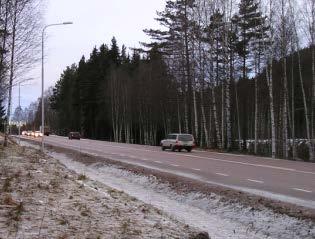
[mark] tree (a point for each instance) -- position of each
(252, 31)
(22, 22)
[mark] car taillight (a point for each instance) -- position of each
(176, 142)
(194, 143)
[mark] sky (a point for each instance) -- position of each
(94, 22)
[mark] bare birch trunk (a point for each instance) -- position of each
(186, 116)
(216, 122)
(195, 115)
(204, 122)
(313, 94)
(312, 33)
(256, 115)
(223, 116)
(11, 74)
(4, 39)
(229, 65)
(238, 119)
(285, 81)
(293, 108)
(270, 88)
(179, 117)
(272, 113)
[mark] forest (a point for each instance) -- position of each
(238, 75)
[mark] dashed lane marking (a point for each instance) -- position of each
(174, 165)
(255, 181)
(219, 160)
(222, 174)
(196, 169)
(210, 158)
(302, 190)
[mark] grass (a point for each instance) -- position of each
(7, 184)
(16, 212)
(82, 177)
(125, 225)
(8, 200)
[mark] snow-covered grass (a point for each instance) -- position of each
(221, 218)
(40, 198)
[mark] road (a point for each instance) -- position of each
(284, 180)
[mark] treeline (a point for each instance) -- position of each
(115, 96)
(20, 28)
(232, 73)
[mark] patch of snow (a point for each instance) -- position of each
(219, 219)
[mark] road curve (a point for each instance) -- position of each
(284, 180)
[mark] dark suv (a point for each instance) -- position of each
(74, 135)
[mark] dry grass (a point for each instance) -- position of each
(46, 200)
(82, 177)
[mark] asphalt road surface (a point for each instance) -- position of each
(284, 180)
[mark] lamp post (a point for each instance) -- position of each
(43, 106)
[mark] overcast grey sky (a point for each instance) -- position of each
(95, 22)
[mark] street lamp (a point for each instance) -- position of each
(43, 114)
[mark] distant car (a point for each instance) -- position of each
(74, 135)
(24, 133)
(178, 142)
(29, 133)
(38, 134)
(45, 131)
(33, 133)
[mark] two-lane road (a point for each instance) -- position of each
(288, 181)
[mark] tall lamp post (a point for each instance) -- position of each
(43, 105)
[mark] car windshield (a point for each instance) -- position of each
(171, 136)
(185, 137)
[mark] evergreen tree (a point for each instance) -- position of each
(251, 27)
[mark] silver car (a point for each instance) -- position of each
(178, 142)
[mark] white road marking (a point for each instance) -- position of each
(158, 162)
(143, 159)
(302, 190)
(196, 169)
(222, 174)
(217, 159)
(255, 181)
(174, 165)
(207, 158)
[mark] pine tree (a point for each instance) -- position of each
(252, 32)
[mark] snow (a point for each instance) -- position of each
(209, 213)
(40, 198)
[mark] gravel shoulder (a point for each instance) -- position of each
(41, 198)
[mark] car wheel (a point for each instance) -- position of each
(163, 148)
(179, 150)
(173, 148)
(189, 150)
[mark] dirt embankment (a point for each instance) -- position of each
(40, 198)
